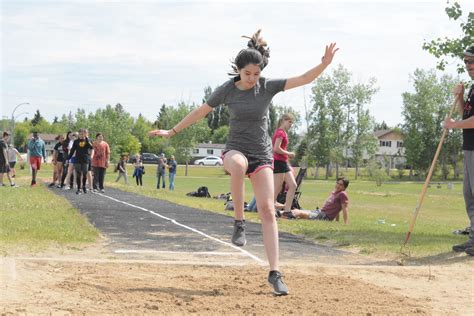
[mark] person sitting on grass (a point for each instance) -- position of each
(337, 201)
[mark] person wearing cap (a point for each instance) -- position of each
(36, 151)
(466, 108)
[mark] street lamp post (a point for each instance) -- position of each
(13, 122)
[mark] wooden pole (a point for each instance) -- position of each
(428, 178)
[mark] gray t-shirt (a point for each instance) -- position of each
(248, 126)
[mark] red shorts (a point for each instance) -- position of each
(35, 163)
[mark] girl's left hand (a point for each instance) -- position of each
(329, 54)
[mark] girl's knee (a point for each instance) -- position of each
(267, 213)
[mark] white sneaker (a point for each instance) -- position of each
(67, 187)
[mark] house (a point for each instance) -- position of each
(390, 147)
(207, 149)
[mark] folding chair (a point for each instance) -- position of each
(281, 198)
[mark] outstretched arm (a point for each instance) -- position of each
(311, 74)
(194, 116)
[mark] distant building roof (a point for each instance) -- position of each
(45, 137)
(383, 132)
(210, 145)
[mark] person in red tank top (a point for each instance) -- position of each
(281, 168)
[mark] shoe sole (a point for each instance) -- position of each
(278, 293)
(239, 245)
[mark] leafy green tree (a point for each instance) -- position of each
(363, 141)
(219, 117)
(424, 111)
(220, 135)
(115, 124)
(453, 47)
(381, 126)
(163, 119)
(376, 172)
(140, 129)
(37, 119)
(331, 128)
(301, 151)
(185, 140)
(317, 138)
(22, 131)
(272, 119)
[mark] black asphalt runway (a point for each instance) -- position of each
(138, 226)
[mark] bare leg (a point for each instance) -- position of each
(89, 179)
(290, 194)
(262, 183)
(278, 179)
(236, 164)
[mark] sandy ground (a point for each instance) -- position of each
(94, 281)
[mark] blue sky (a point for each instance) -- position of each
(63, 55)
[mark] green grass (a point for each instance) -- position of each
(35, 218)
(379, 216)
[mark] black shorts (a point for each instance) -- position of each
(280, 166)
(4, 167)
(254, 164)
(89, 164)
(12, 164)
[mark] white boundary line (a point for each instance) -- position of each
(199, 253)
(260, 261)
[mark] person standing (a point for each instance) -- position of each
(248, 148)
(36, 151)
(67, 181)
(466, 109)
(90, 153)
(122, 169)
(80, 149)
(161, 171)
(12, 156)
(58, 160)
(4, 165)
(172, 171)
(138, 170)
(100, 162)
(281, 169)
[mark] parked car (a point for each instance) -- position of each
(150, 158)
(209, 161)
(146, 158)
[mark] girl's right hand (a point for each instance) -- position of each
(160, 133)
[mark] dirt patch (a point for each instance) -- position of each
(53, 287)
(92, 282)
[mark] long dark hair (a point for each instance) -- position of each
(257, 53)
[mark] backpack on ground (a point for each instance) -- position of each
(201, 192)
